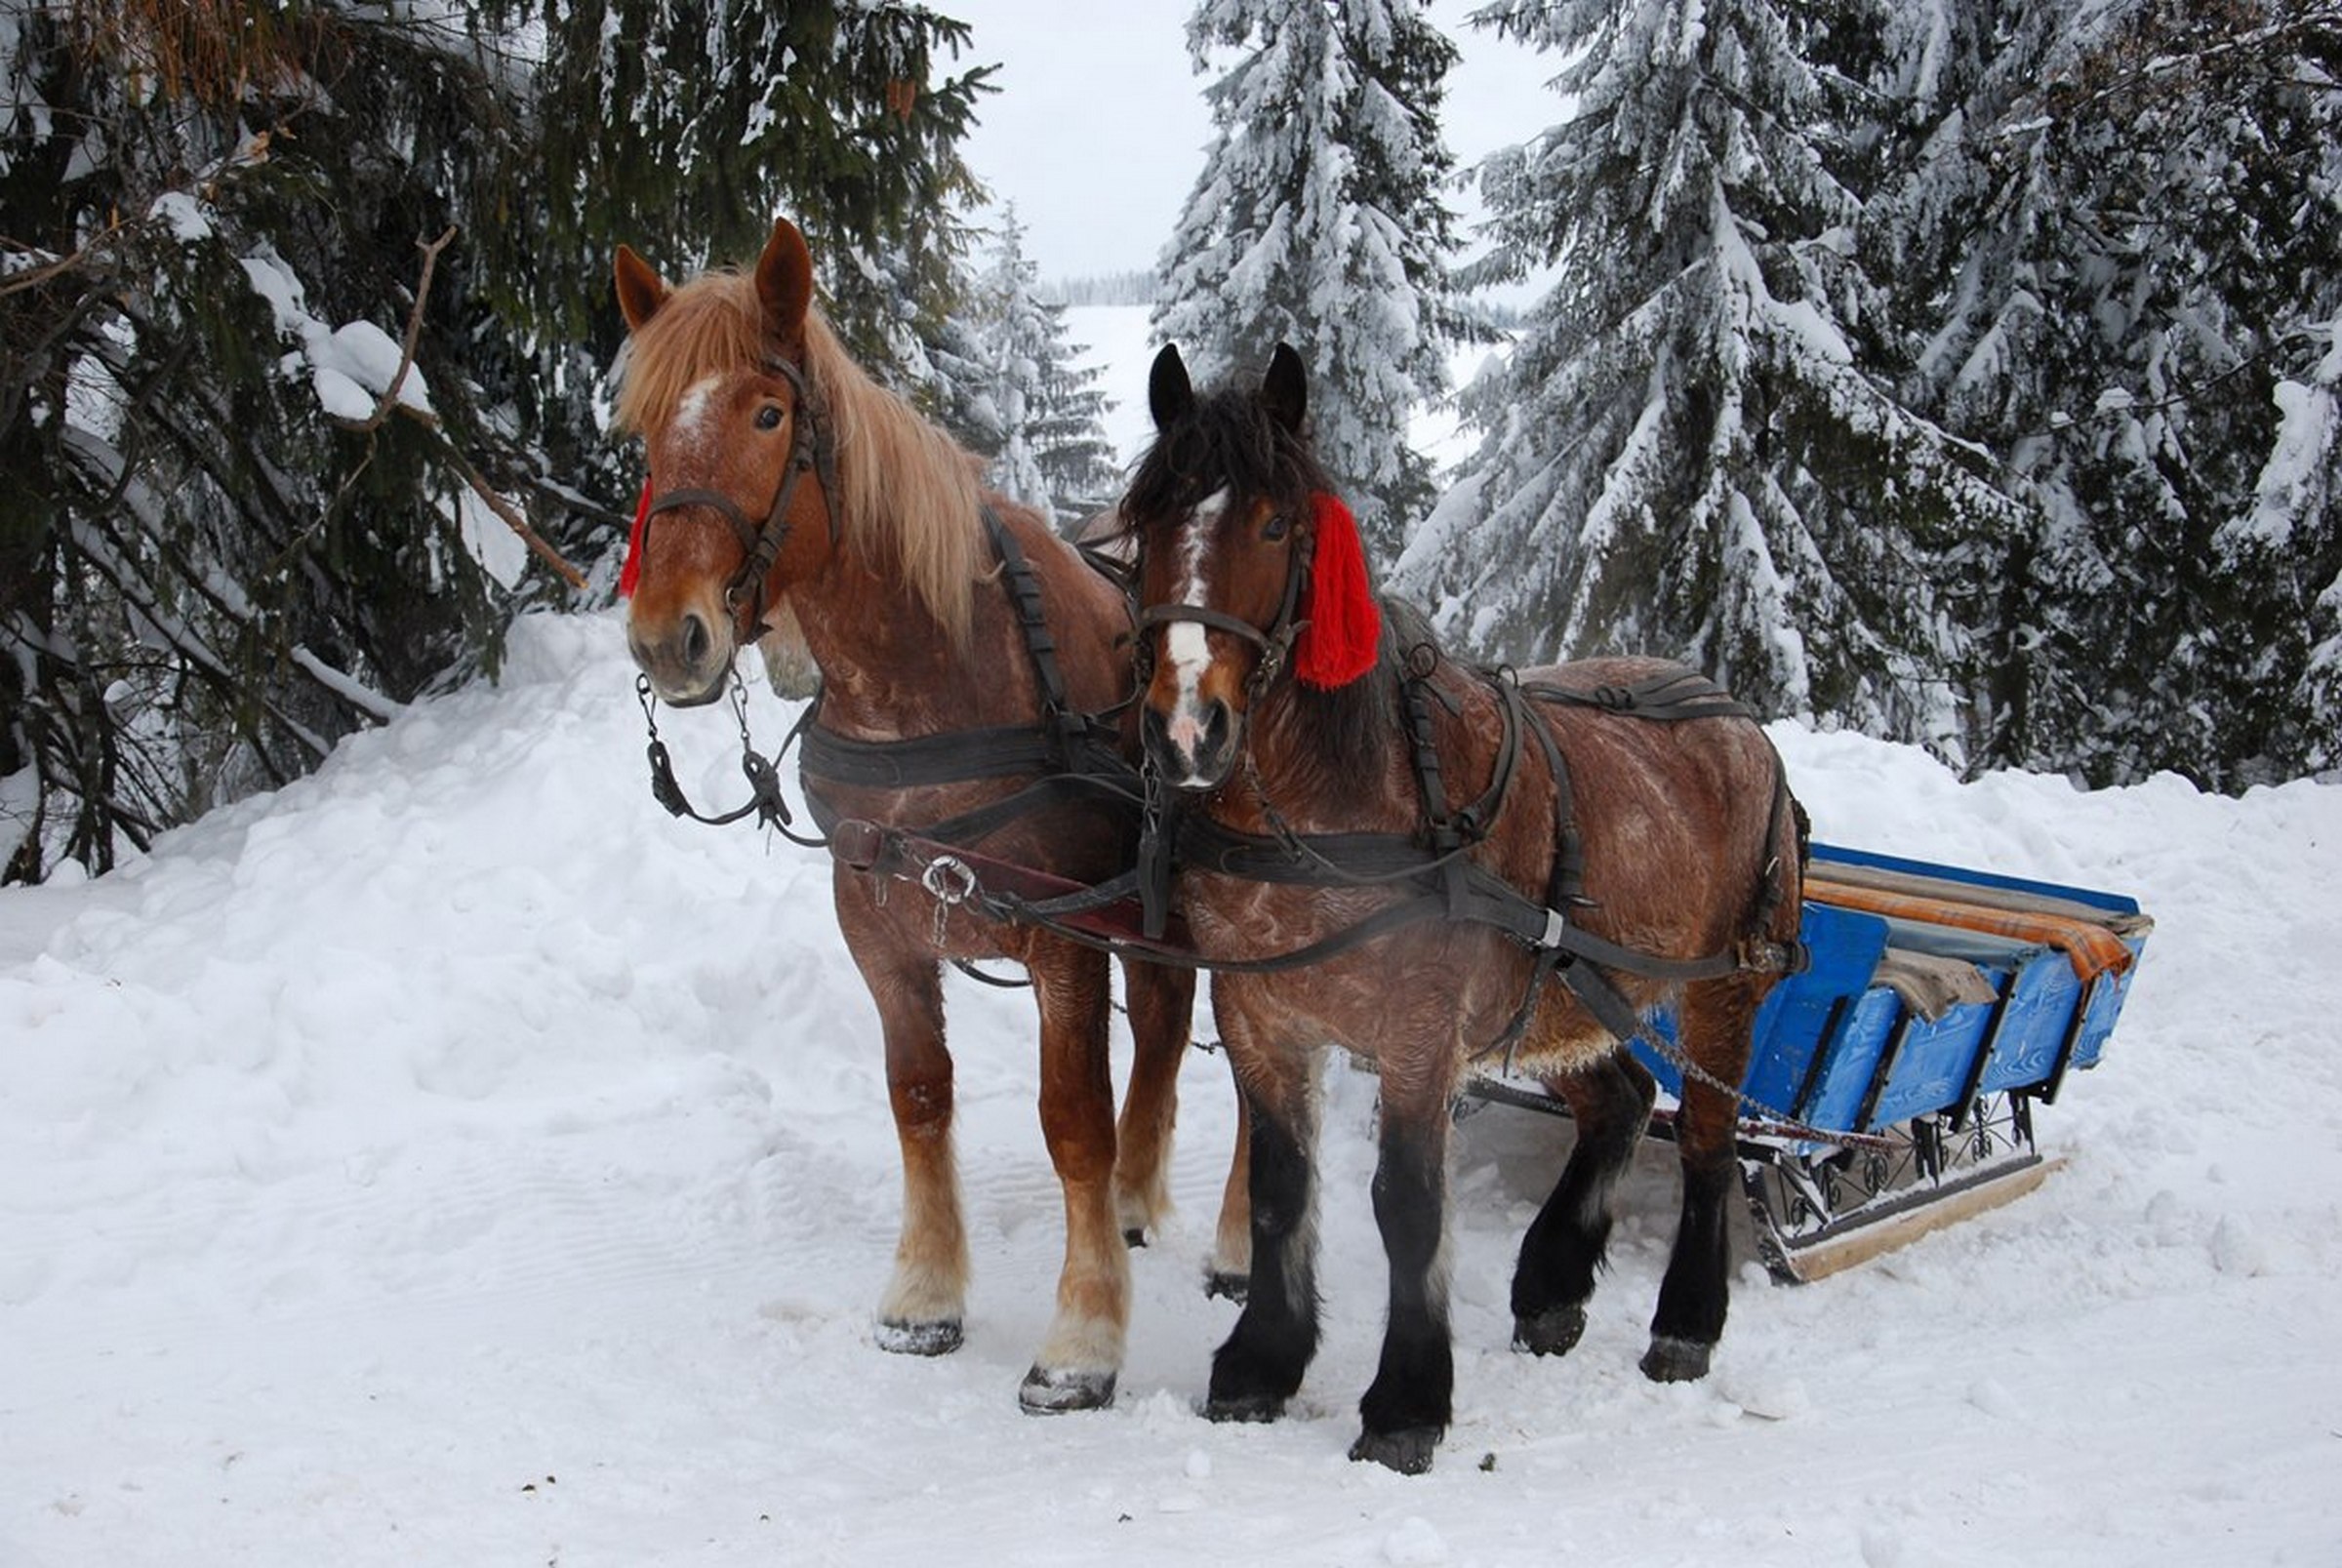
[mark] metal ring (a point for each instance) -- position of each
(948, 880)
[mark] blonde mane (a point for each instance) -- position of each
(908, 493)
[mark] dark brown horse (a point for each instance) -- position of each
(791, 485)
(1574, 828)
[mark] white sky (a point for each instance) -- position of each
(1099, 128)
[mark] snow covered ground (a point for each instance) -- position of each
(449, 1159)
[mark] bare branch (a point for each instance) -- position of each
(389, 401)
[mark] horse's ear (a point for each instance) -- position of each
(1285, 389)
(1170, 396)
(785, 281)
(640, 293)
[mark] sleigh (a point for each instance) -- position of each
(1892, 1084)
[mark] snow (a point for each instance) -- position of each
(350, 366)
(452, 1158)
(490, 539)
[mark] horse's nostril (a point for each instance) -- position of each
(1215, 731)
(695, 641)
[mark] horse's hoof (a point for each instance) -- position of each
(1221, 1282)
(1250, 1407)
(1555, 1331)
(1407, 1451)
(1674, 1360)
(1056, 1393)
(939, 1338)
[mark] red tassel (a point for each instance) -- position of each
(1344, 624)
(632, 573)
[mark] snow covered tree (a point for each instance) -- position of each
(1318, 221)
(225, 543)
(1051, 450)
(1683, 455)
(1964, 372)
(226, 228)
(2116, 252)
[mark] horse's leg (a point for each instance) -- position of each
(1082, 1354)
(1260, 1364)
(1162, 1000)
(1230, 1272)
(920, 1313)
(1694, 1293)
(1408, 1405)
(1610, 1104)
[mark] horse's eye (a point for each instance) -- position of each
(768, 418)
(1279, 524)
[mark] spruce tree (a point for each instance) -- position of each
(226, 546)
(1053, 453)
(1318, 221)
(2118, 268)
(1683, 455)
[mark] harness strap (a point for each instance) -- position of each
(1076, 754)
(954, 756)
(1668, 698)
(974, 825)
(1086, 744)
(1163, 615)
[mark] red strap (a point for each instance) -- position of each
(632, 573)
(1344, 624)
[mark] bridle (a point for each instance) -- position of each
(812, 449)
(1274, 641)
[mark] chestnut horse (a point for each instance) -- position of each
(874, 539)
(1665, 846)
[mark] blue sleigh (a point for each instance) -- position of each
(1891, 1086)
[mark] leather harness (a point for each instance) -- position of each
(1074, 756)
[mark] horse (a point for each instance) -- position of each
(1629, 840)
(968, 660)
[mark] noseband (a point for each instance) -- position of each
(811, 449)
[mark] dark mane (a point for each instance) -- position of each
(1230, 440)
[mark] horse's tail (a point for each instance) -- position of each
(1780, 893)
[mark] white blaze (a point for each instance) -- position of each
(693, 411)
(1184, 640)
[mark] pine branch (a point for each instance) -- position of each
(389, 403)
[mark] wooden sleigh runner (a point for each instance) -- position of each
(1892, 1084)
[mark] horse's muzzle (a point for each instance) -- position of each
(1190, 748)
(686, 662)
